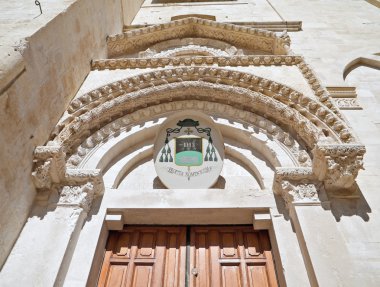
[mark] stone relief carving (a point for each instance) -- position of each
(347, 104)
(77, 196)
(338, 165)
(78, 187)
(299, 192)
(344, 97)
(49, 166)
(76, 130)
(296, 185)
(239, 36)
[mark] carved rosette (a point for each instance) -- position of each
(338, 165)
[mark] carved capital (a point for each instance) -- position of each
(296, 185)
(82, 176)
(338, 165)
(299, 192)
(77, 196)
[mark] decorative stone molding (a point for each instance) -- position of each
(344, 97)
(77, 130)
(315, 84)
(239, 36)
(290, 26)
(338, 165)
(81, 177)
(220, 110)
(347, 103)
(264, 60)
(161, 62)
(185, 42)
(307, 116)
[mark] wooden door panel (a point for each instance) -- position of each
(142, 275)
(231, 276)
(117, 275)
(145, 256)
(231, 256)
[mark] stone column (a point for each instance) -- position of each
(43, 251)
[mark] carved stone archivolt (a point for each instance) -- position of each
(239, 36)
(311, 118)
(199, 46)
(219, 110)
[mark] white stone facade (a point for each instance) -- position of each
(83, 97)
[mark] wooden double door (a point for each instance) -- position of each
(196, 256)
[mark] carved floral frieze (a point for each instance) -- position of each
(239, 36)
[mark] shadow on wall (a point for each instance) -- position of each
(349, 205)
(372, 61)
(339, 205)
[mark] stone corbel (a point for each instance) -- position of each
(338, 165)
(296, 186)
(49, 166)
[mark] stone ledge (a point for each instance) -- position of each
(11, 66)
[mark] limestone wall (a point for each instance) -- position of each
(37, 82)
